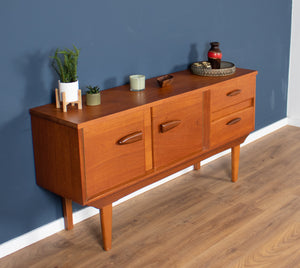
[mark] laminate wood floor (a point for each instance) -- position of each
(200, 219)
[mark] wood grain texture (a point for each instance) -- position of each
(148, 140)
(149, 135)
(108, 164)
(232, 109)
(235, 158)
(197, 166)
(57, 158)
(121, 98)
(81, 162)
(223, 95)
(131, 138)
(228, 127)
(106, 226)
(197, 220)
(68, 213)
(151, 177)
(177, 129)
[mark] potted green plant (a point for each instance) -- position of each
(65, 64)
(93, 96)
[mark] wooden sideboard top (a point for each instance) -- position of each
(120, 98)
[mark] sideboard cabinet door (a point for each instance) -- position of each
(114, 152)
(177, 129)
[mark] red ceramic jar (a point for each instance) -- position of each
(214, 55)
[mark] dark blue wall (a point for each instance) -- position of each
(118, 38)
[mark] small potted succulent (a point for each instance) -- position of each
(93, 96)
(65, 64)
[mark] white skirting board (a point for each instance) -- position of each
(294, 122)
(51, 228)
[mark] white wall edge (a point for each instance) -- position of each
(293, 108)
(51, 228)
(266, 130)
(294, 122)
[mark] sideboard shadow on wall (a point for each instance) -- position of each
(79, 156)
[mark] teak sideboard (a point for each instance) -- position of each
(99, 154)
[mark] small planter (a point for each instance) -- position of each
(71, 90)
(93, 99)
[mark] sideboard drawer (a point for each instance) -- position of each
(232, 92)
(232, 126)
(114, 152)
(177, 129)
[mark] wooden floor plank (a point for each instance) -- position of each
(200, 219)
(250, 236)
(277, 251)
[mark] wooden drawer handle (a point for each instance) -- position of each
(234, 92)
(234, 121)
(164, 127)
(131, 138)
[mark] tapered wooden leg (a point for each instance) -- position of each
(106, 226)
(197, 166)
(235, 158)
(68, 213)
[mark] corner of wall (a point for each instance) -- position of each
(293, 108)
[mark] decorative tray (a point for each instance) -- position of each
(227, 68)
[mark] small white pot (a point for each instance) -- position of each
(71, 90)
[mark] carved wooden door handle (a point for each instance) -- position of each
(131, 138)
(164, 127)
(234, 92)
(234, 121)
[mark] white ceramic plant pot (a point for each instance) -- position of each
(71, 90)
